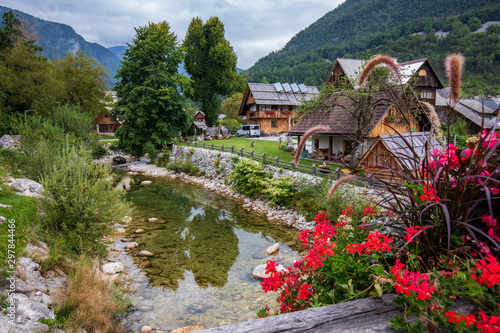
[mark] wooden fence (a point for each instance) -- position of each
(314, 170)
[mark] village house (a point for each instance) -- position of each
(273, 106)
(105, 123)
(338, 141)
(470, 110)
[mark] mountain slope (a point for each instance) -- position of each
(357, 26)
(58, 39)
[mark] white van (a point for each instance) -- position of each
(249, 130)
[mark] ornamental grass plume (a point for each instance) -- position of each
(338, 183)
(436, 124)
(378, 60)
(454, 64)
(302, 143)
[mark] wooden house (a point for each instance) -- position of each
(339, 138)
(392, 154)
(200, 117)
(470, 110)
(273, 106)
(105, 123)
(418, 73)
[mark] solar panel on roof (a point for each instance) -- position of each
(278, 86)
(287, 87)
(302, 88)
(295, 87)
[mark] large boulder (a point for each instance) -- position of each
(26, 187)
(112, 268)
(7, 142)
(273, 248)
(259, 272)
(119, 160)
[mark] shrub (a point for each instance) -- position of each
(80, 199)
(285, 147)
(150, 149)
(248, 177)
(281, 191)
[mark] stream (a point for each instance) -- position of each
(205, 247)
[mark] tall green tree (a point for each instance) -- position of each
(149, 89)
(211, 63)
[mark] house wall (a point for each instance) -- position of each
(105, 123)
(394, 127)
(338, 143)
(282, 124)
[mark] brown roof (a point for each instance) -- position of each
(339, 119)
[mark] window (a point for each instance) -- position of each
(422, 72)
(426, 94)
(274, 123)
(274, 107)
(106, 115)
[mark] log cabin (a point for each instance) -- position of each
(337, 114)
(105, 123)
(273, 106)
(418, 73)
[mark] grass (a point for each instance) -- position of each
(270, 148)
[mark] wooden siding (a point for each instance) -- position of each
(271, 114)
(384, 127)
(266, 125)
(104, 118)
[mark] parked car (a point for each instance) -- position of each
(249, 130)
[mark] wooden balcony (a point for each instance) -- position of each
(271, 114)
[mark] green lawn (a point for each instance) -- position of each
(270, 148)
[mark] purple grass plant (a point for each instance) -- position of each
(377, 61)
(307, 135)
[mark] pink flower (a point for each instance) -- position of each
(490, 139)
(489, 220)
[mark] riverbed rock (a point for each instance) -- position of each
(152, 219)
(189, 329)
(145, 253)
(146, 329)
(259, 272)
(273, 248)
(140, 231)
(112, 268)
(146, 183)
(145, 264)
(36, 252)
(126, 219)
(131, 245)
(119, 160)
(121, 230)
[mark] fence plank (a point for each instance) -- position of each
(314, 169)
(277, 161)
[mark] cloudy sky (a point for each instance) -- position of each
(253, 27)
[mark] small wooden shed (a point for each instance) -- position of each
(391, 154)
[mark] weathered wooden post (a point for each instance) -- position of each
(314, 169)
(222, 148)
(293, 166)
(241, 152)
(212, 146)
(263, 158)
(251, 154)
(370, 181)
(232, 149)
(338, 173)
(196, 144)
(203, 144)
(277, 161)
(188, 143)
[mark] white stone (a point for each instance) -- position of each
(121, 230)
(140, 231)
(273, 248)
(146, 183)
(152, 219)
(259, 272)
(131, 245)
(145, 253)
(36, 252)
(127, 219)
(112, 268)
(146, 329)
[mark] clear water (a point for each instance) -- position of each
(205, 247)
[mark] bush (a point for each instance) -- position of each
(80, 199)
(248, 177)
(181, 164)
(281, 191)
(150, 149)
(285, 147)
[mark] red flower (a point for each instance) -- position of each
(370, 211)
(430, 194)
(348, 211)
(452, 317)
(469, 319)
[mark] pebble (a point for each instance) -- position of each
(140, 231)
(146, 329)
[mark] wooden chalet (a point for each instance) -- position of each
(470, 110)
(419, 73)
(338, 140)
(273, 106)
(392, 154)
(200, 117)
(105, 123)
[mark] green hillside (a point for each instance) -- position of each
(362, 28)
(58, 39)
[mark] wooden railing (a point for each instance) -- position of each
(314, 170)
(271, 114)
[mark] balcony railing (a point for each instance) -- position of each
(271, 114)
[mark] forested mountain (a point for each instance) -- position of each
(403, 29)
(58, 39)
